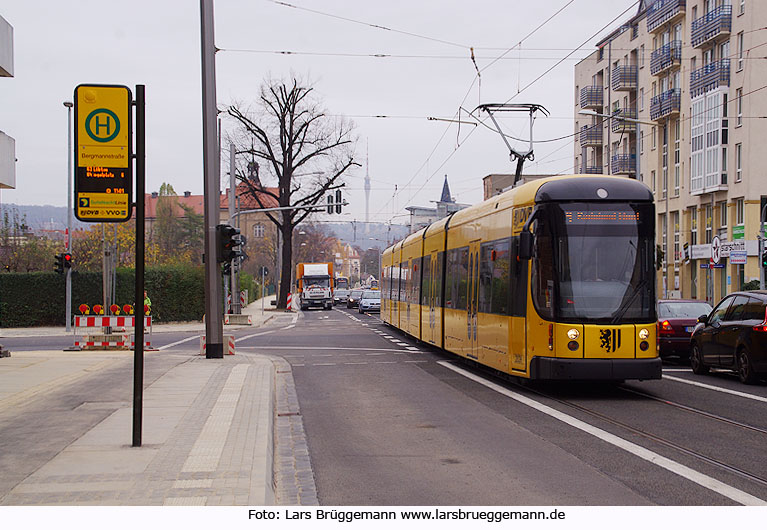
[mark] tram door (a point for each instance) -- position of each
(472, 304)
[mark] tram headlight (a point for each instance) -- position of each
(573, 334)
(643, 333)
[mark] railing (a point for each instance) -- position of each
(592, 170)
(714, 23)
(623, 164)
(620, 125)
(625, 77)
(665, 104)
(591, 135)
(665, 57)
(663, 11)
(592, 96)
(710, 77)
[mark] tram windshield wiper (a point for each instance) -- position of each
(627, 303)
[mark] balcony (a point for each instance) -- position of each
(662, 12)
(666, 105)
(710, 77)
(621, 126)
(623, 164)
(666, 57)
(625, 77)
(592, 97)
(713, 24)
(591, 136)
(592, 170)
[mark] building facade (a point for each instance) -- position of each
(673, 98)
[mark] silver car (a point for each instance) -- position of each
(370, 301)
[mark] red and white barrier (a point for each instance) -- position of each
(228, 342)
(83, 338)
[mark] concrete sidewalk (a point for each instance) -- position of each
(214, 431)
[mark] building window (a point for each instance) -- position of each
(654, 138)
(664, 163)
(723, 214)
(652, 179)
(738, 162)
(739, 106)
(740, 214)
(641, 142)
(675, 221)
(740, 51)
(641, 56)
(742, 8)
(709, 224)
(693, 225)
(641, 98)
(677, 157)
(258, 230)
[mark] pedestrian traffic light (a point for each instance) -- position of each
(227, 243)
(58, 265)
(227, 268)
(67, 259)
(764, 259)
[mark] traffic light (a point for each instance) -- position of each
(335, 204)
(330, 203)
(227, 243)
(67, 259)
(764, 259)
(338, 201)
(227, 268)
(58, 265)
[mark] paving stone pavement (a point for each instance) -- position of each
(214, 433)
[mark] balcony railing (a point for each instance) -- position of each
(666, 104)
(620, 125)
(623, 164)
(711, 25)
(710, 77)
(592, 97)
(667, 56)
(592, 170)
(664, 11)
(591, 135)
(625, 77)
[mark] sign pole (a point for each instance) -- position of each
(138, 346)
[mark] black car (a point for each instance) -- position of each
(354, 298)
(733, 336)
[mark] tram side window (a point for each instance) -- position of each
(415, 283)
(426, 282)
(543, 273)
(494, 277)
(457, 278)
(404, 281)
(518, 290)
(437, 276)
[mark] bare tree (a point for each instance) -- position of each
(306, 152)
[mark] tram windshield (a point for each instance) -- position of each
(594, 262)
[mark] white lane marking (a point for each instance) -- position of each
(290, 326)
(256, 335)
(178, 342)
(675, 467)
(716, 388)
(312, 348)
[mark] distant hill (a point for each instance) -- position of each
(367, 235)
(42, 217)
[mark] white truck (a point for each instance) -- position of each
(314, 282)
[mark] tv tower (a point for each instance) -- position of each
(367, 188)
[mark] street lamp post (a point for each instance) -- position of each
(68, 299)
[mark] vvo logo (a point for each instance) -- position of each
(102, 125)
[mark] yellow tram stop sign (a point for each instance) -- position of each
(103, 165)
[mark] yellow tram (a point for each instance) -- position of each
(554, 279)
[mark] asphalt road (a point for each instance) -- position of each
(390, 421)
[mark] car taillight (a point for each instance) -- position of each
(665, 327)
(763, 326)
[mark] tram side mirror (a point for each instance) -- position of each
(525, 245)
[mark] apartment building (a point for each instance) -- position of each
(677, 98)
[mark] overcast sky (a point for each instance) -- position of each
(58, 45)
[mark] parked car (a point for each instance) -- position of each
(676, 321)
(354, 298)
(370, 301)
(733, 336)
(340, 296)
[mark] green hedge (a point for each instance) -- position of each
(38, 298)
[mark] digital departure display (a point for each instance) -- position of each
(582, 217)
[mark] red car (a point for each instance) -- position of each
(676, 322)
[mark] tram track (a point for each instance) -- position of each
(681, 448)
